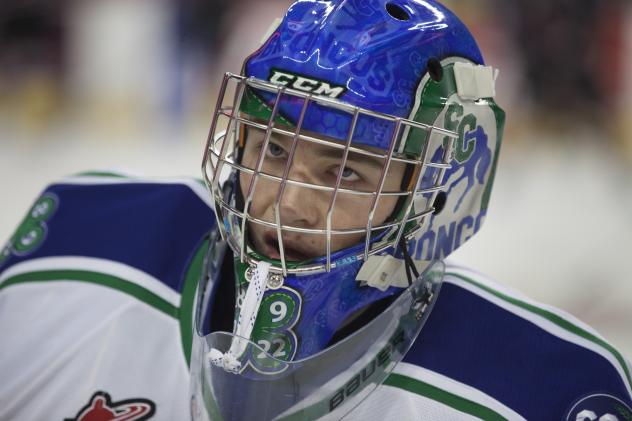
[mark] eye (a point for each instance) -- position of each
(274, 151)
(348, 174)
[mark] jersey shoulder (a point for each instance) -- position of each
(487, 344)
(129, 226)
(100, 274)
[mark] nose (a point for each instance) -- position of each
(300, 206)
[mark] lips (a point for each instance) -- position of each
(294, 250)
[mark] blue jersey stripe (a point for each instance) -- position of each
(153, 227)
(537, 374)
(561, 322)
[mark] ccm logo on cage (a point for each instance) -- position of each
(305, 84)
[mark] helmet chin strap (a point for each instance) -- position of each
(245, 321)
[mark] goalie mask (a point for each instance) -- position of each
(358, 147)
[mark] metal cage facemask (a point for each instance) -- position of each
(408, 143)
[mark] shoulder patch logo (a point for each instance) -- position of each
(305, 83)
(101, 408)
(32, 230)
(599, 407)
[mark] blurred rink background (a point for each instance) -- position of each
(130, 85)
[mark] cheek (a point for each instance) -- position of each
(244, 182)
(263, 198)
(351, 211)
(384, 209)
(354, 212)
(386, 205)
(244, 178)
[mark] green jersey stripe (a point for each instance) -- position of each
(184, 313)
(553, 318)
(110, 281)
(439, 395)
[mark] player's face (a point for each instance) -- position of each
(304, 207)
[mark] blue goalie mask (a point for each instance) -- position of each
(358, 146)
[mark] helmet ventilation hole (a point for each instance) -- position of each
(397, 12)
(435, 69)
(439, 203)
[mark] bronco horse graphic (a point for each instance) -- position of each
(475, 167)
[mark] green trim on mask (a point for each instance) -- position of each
(253, 105)
(433, 98)
(431, 104)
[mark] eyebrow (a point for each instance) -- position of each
(336, 153)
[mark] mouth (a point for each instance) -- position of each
(293, 251)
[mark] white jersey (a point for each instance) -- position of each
(96, 293)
